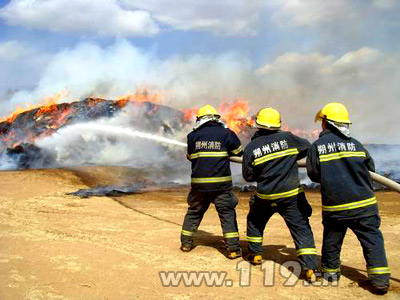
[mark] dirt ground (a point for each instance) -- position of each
(55, 246)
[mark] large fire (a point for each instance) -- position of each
(55, 114)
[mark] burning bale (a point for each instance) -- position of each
(20, 132)
(44, 121)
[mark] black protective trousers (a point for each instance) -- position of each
(295, 211)
(225, 203)
(367, 231)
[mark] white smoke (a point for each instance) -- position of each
(298, 85)
(7, 162)
(366, 81)
(89, 70)
(116, 142)
(102, 142)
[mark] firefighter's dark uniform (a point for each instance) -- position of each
(270, 160)
(209, 148)
(340, 164)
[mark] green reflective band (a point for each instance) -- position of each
(325, 270)
(307, 251)
(274, 155)
(255, 239)
(237, 150)
(339, 155)
(379, 270)
(280, 195)
(230, 235)
(352, 205)
(212, 179)
(209, 154)
(187, 233)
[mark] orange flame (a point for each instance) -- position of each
(44, 106)
(189, 114)
(234, 114)
(140, 96)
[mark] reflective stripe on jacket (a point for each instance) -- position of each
(270, 160)
(209, 148)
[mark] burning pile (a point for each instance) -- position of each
(43, 121)
(20, 132)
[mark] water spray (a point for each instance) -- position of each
(118, 130)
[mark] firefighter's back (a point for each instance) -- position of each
(273, 156)
(209, 148)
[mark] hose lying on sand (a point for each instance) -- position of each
(390, 184)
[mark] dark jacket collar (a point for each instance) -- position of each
(210, 124)
(263, 132)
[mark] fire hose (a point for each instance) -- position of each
(390, 184)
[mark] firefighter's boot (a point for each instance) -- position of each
(186, 248)
(310, 276)
(234, 254)
(255, 259)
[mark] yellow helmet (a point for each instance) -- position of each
(335, 112)
(207, 110)
(268, 118)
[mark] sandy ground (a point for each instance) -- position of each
(55, 246)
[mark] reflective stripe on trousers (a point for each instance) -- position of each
(306, 251)
(379, 270)
(230, 235)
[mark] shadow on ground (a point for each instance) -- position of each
(281, 254)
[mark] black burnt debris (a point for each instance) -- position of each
(114, 191)
(29, 156)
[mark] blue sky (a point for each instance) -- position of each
(286, 53)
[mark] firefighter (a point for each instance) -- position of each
(270, 160)
(340, 164)
(210, 145)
